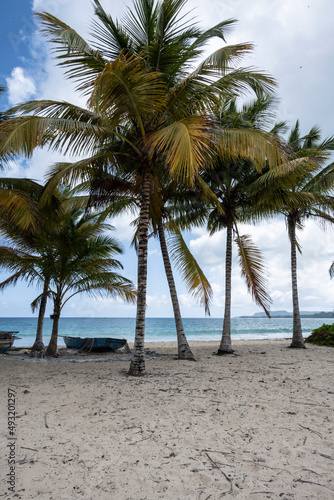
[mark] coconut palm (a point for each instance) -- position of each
(164, 210)
(305, 194)
(118, 194)
(25, 220)
(75, 258)
(232, 203)
(22, 218)
(147, 106)
(230, 181)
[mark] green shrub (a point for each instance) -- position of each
(324, 335)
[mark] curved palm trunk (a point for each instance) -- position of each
(297, 335)
(137, 365)
(184, 351)
(52, 347)
(38, 344)
(226, 343)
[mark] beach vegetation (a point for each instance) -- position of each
(66, 255)
(299, 194)
(324, 335)
(83, 262)
(24, 220)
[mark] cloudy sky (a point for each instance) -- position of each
(293, 42)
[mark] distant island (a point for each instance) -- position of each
(286, 314)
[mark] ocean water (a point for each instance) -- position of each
(160, 329)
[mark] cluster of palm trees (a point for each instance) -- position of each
(162, 137)
(56, 245)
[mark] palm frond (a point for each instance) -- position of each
(331, 270)
(279, 128)
(223, 60)
(37, 301)
(239, 81)
(104, 285)
(109, 36)
(191, 273)
(12, 280)
(187, 145)
(22, 135)
(72, 51)
(322, 182)
(262, 147)
(252, 270)
(126, 89)
(220, 30)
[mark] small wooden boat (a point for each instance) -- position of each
(100, 344)
(6, 340)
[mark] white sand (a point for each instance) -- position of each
(255, 425)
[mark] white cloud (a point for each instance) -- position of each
(20, 86)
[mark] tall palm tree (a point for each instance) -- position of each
(75, 258)
(299, 195)
(23, 219)
(230, 181)
(164, 210)
(117, 194)
(145, 92)
(232, 202)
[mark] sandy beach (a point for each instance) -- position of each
(254, 425)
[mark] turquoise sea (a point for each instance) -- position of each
(160, 329)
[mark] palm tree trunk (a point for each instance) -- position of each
(38, 344)
(226, 343)
(52, 347)
(184, 351)
(137, 365)
(297, 335)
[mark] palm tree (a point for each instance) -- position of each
(302, 194)
(164, 210)
(233, 203)
(118, 194)
(22, 219)
(147, 107)
(230, 181)
(74, 258)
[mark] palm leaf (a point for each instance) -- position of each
(331, 270)
(239, 81)
(262, 147)
(126, 89)
(223, 60)
(18, 209)
(72, 51)
(322, 182)
(12, 280)
(22, 135)
(109, 36)
(219, 30)
(187, 265)
(253, 272)
(187, 145)
(102, 285)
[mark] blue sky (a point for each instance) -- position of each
(294, 43)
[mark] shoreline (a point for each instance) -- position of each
(155, 349)
(255, 424)
(161, 330)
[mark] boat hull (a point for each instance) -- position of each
(5, 345)
(97, 344)
(6, 340)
